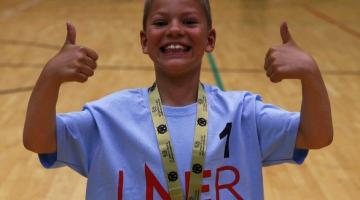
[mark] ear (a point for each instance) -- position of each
(211, 39)
(143, 41)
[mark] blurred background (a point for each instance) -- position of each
(32, 31)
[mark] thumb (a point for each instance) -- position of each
(285, 34)
(71, 34)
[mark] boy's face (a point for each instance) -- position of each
(177, 35)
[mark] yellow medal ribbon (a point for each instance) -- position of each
(166, 148)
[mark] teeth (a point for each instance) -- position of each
(175, 47)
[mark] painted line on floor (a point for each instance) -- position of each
(110, 67)
(333, 21)
(16, 90)
(215, 71)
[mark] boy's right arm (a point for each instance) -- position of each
(72, 63)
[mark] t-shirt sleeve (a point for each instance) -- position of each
(77, 136)
(277, 131)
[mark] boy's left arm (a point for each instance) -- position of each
(289, 61)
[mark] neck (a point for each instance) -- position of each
(178, 91)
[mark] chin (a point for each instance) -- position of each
(178, 68)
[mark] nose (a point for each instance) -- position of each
(175, 29)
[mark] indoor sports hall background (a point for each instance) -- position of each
(32, 31)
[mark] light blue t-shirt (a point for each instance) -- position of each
(112, 142)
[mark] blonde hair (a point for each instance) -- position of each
(204, 3)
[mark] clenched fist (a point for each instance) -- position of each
(72, 62)
(289, 61)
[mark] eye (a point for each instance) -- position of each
(190, 21)
(159, 23)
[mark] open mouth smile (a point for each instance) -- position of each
(174, 48)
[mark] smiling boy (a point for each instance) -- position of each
(175, 36)
(179, 138)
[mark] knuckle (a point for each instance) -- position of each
(81, 48)
(272, 56)
(268, 74)
(273, 48)
(74, 64)
(273, 79)
(275, 70)
(76, 48)
(268, 52)
(83, 78)
(279, 70)
(77, 65)
(81, 56)
(96, 55)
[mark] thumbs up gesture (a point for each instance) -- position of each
(288, 61)
(72, 62)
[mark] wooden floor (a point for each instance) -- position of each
(31, 31)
